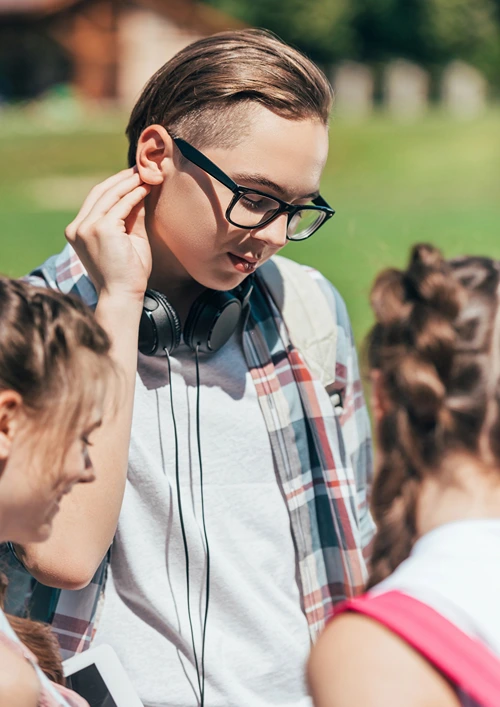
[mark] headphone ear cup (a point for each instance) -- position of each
(160, 327)
(212, 320)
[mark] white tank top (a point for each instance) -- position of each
(455, 569)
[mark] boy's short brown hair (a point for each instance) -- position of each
(203, 93)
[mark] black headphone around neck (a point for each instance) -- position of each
(211, 321)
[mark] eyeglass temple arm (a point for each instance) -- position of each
(319, 201)
(199, 159)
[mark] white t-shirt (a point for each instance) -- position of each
(455, 569)
(257, 638)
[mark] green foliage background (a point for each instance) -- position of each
(392, 185)
(431, 32)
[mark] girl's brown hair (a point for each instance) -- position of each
(55, 355)
(203, 93)
(38, 638)
(436, 343)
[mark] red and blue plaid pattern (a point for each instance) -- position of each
(322, 453)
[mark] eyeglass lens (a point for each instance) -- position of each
(253, 209)
(303, 223)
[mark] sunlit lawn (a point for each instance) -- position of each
(392, 185)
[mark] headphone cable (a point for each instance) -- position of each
(207, 548)
(199, 665)
(183, 528)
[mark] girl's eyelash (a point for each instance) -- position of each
(86, 442)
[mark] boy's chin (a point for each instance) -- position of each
(33, 535)
(222, 280)
(42, 533)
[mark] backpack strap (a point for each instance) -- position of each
(309, 317)
(467, 663)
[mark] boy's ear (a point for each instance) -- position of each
(10, 409)
(154, 152)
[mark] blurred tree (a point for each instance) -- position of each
(321, 28)
(431, 32)
(389, 28)
(467, 29)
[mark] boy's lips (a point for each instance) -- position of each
(245, 264)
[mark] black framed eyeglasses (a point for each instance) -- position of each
(252, 208)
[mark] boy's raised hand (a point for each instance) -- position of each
(109, 235)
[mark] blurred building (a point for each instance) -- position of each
(104, 49)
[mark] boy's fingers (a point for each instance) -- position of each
(122, 210)
(95, 195)
(103, 204)
(114, 219)
(112, 196)
(99, 189)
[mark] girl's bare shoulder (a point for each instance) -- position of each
(358, 661)
(19, 685)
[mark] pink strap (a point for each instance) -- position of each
(466, 662)
(71, 697)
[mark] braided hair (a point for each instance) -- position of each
(436, 344)
(54, 354)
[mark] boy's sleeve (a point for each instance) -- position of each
(354, 420)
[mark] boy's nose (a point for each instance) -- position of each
(274, 233)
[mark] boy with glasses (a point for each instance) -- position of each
(243, 516)
(250, 209)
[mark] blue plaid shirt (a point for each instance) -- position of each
(323, 458)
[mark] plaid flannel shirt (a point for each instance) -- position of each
(322, 453)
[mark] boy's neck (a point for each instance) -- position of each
(178, 287)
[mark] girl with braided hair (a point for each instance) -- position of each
(427, 632)
(55, 376)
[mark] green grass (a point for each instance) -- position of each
(392, 185)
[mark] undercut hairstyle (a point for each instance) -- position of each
(55, 355)
(436, 343)
(204, 93)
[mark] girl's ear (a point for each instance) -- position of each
(379, 401)
(10, 409)
(154, 154)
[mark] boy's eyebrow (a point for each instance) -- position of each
(266, 182)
